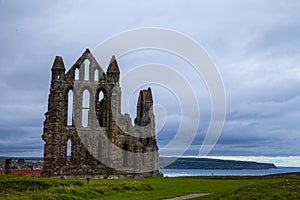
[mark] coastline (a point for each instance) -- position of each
(227, 172)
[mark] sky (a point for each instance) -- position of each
(255, 46)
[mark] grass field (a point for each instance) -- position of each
(269, 187)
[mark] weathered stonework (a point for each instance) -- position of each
(108, 145)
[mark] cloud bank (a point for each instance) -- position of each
(255, 45)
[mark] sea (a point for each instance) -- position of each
(220, 172)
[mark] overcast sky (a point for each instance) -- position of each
(254, 44)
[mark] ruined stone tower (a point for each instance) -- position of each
(84, 110)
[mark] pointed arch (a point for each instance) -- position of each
(76, 76)
(84, 150)
(85, 108)
(101, 95)
(100, 151)
(102, 109)
(143, 156)
(96, 75)
(86, 156)
(86, 70)
(101, 106)
(125, 155)
(69, 150)
(70, 108)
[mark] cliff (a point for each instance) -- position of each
(205, 163)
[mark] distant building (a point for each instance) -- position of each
(21, 167)
(84, 110)
(21, 161)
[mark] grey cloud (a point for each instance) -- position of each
(282, 40)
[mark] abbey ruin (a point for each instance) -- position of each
(84, 111)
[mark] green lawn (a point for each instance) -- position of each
(275, 187)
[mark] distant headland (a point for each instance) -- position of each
(207, 163)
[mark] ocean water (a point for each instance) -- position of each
(220, 172)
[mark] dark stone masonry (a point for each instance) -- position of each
(84, 111)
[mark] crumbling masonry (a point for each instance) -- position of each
(84, 110)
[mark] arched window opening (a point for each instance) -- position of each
(69, 149)
(99, 158)
(101, 95)
(96, 75)
(85, 108)
(102, 109)
(143, 156)
(76, 74)
(125, 155)
(84, 150)
(86, 70)
(70, 108)
(86, 156)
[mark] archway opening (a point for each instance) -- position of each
(102, 109)
(96, 75)
(125, 155)
(100, 152)
(86, 70)
(70, 108)
(85, 108)
(69, 149)
(76, 74)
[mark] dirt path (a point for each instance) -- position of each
(189, 196)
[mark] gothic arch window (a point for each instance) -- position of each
(76, 74)
(70, 108)
(85, 108)
(101, 95)
(84, 150)
(136, 156)
(69, 149)
(125, 155)
(100, 151)
(143, 156)
(96, 75)
(86, 156)
(102, 109)
(86, 70)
